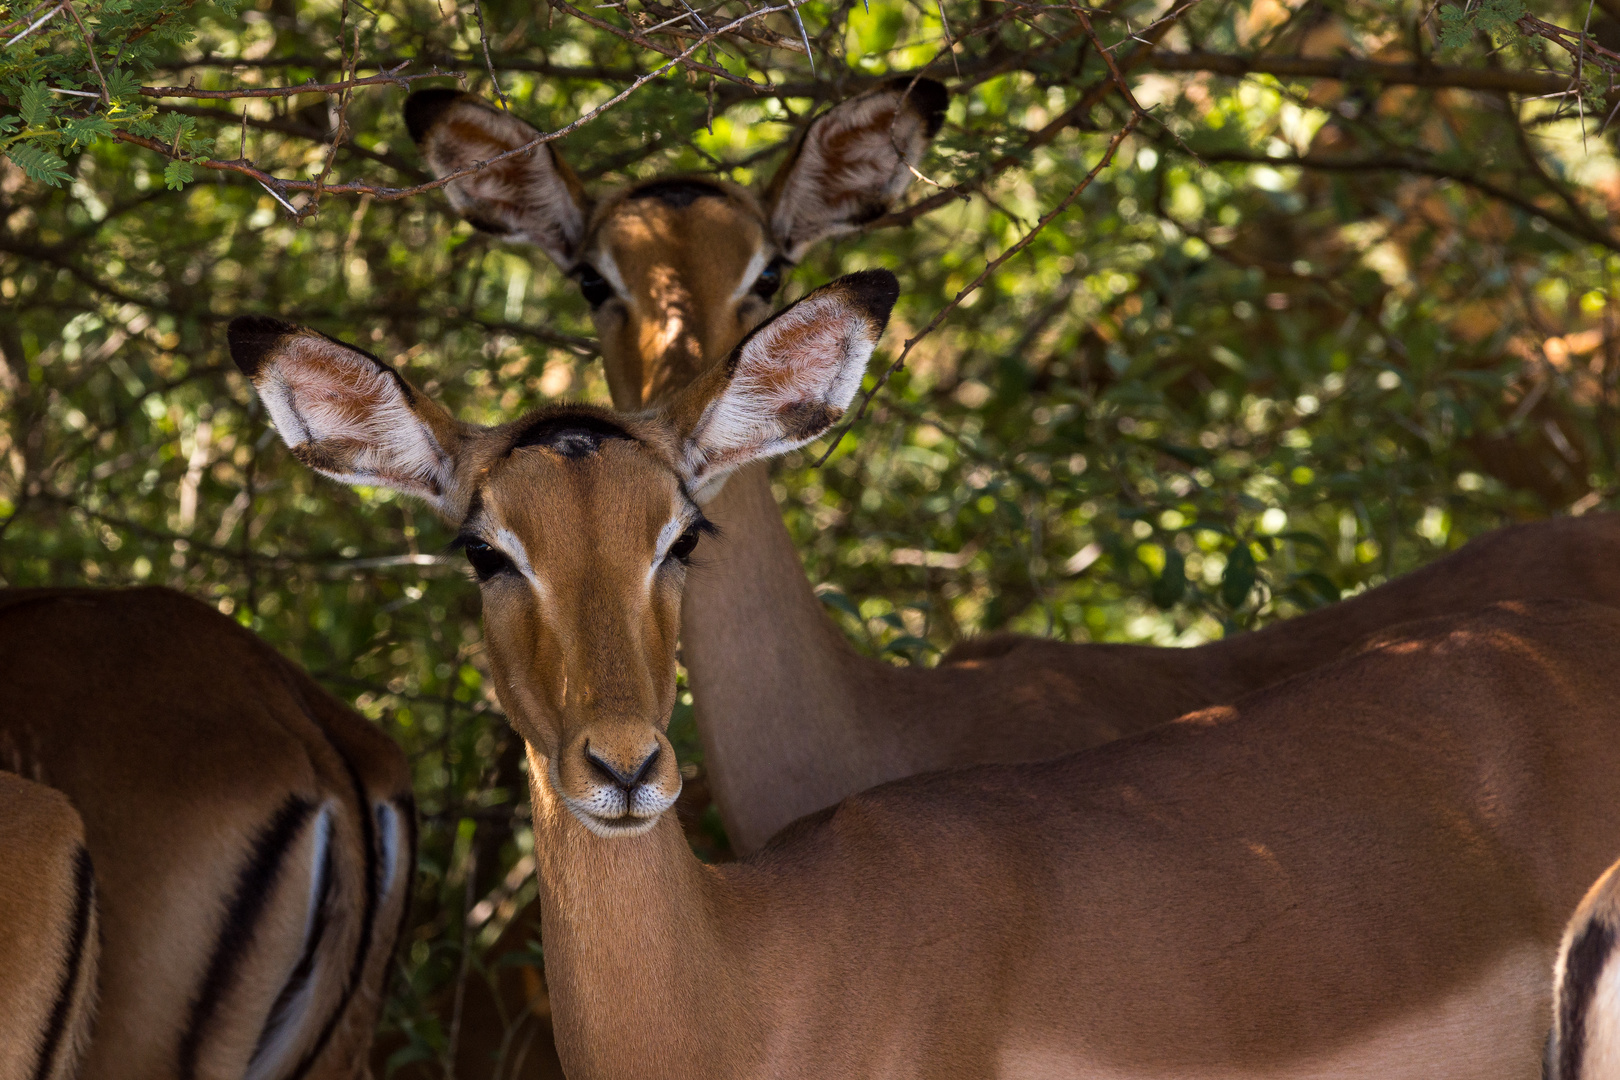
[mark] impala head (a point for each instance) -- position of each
(678, 269)
(579, 522)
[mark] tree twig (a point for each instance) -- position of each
(972, 286)
(387, 78)
(280, 186)
(90, 49)
(1369, 71)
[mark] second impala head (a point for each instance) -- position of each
(579, 522)
(678, 269)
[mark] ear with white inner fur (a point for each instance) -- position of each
(347, 414)
(532, 197)
(789, 380)
(852, 162)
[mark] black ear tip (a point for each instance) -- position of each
(252, 337)
(873, 291)
(929, 97)
(424, 108)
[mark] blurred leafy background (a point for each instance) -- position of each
(1342, 300)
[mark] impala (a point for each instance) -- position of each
(251, 838)
(1356, 872)
(49, 940)
(1585, 1039)
(791, 718)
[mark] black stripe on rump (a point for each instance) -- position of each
(1588, 955)
(305, 968)
(253, 888)
(368, 840)
(84, 899)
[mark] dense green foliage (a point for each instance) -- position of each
(1222, 388)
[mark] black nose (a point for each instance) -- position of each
(626, 779)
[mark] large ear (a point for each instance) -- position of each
(789, 380)
(533, 196)
(347, 414)
(851, 162)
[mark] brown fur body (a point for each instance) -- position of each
(791, 718)
(788, 730)
(219, 787)
(1257, 890)
(49, 938)
(1363, 870)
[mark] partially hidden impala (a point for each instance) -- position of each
(221, 852)
(1361, 871)
(1585, 1040)
(49, 938)
(678, 270)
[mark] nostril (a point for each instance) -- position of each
(646, 767)
(625, 779)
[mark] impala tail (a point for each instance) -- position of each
(1585, 1040)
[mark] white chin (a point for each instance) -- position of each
(615, 828)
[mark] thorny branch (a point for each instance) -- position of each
(280, 186)
(1579, 44)
(973, 286)
(388, 77)
(1583, 228)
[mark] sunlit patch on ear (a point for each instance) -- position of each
(853, 162)
(793, 377)
(531, 196)
(349, 416)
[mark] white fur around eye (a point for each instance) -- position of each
(513, 548)
(672, 530)
(609, 270)
(756, 266)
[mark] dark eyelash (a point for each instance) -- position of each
(486, 559)
(680, 550)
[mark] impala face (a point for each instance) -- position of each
(579, 522)
(678, 269)
(579, 535)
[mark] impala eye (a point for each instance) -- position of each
(486, 561)
(770, 279)
(681, 550)
(594, 286)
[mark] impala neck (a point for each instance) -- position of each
(773, 677)
(632, 958)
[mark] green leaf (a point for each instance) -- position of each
(908, 645)
(1315, 588)
(36, 105)
(177, 174)
(123, 83)
(1238, 579)
(39, 164)
(85, 131)
(840, 602)
(1458, 24)
(1172, 582)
